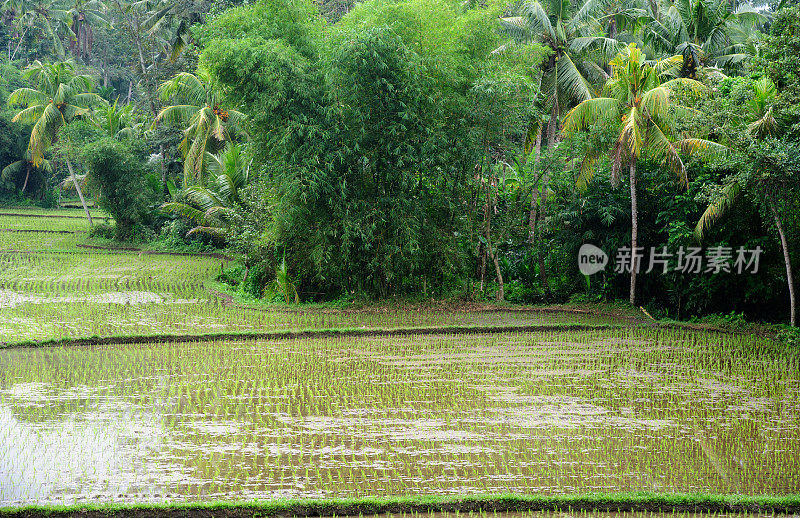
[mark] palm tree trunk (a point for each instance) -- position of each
(634, 229)
(500, 289)
(27, 175)
(80, 193)
(540, 253)
(12, 56)
(552, 128)
(552, 124)
(535, 195)
(164, 189)
(788, 262)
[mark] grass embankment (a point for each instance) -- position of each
(310, 333)
(638, 501)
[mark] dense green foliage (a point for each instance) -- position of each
(416, 147)
(116, 175)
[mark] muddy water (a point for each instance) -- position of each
(534, 413)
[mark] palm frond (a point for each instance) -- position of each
(659, 142)
(203, 198)
(702, 147)
(571, 81)
(765, 126)
(216, 232)
(717, 209)
(27, 97)
(632, 134)
(537, 18)
(589, 112)
(691, 84)
(178, 114)
(183, 210)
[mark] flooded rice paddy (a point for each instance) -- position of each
(68, 292)
(548, 412)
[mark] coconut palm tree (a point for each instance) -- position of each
(82, 16)
(641, 110)
(14, 170)
(765, 185)
(565, 75)
(119, 121)
(57, 97)
(49, 16)
(704, 32)
(209, 125)
(211, 208)
(579, 53)
(171, 20)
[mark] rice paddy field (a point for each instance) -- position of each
(52, 288)
(612, 407)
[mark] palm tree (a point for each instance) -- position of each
(642, 113)
(58, 97)
(704, 32)
(82, 16)
(565, 74)
(119, 121)
(171, 21)
(573, 41)
(212, 208)
(767, 186)
(14, 170)
(209, 125)
(47, 15)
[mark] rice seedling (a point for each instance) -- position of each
(551, 412)
(38, 212)
(548, 412)
(43, 224)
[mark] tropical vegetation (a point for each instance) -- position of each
(424, 148)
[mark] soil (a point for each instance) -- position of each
(42, 215)
(42, 231)
(292, 335)
(376, 508)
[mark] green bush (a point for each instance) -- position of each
(103, 231)
(116, 175)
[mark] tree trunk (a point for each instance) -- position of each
(500, 291)
(532, 217)
(535, 195)
(634, 229)
(80, 193)
(27, 175)
(164, 189)
(12, 56)
(542, 213)
(488, 214)
(788, 262)
(552, 124)
(482, 267)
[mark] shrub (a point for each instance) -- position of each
(116, 175)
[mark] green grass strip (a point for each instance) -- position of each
(636, 501)
(308, 333)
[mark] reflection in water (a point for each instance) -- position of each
(542, 412)
(77, 455)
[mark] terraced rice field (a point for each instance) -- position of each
(51, 288)
(555, 411)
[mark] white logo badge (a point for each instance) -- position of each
(591, 259)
